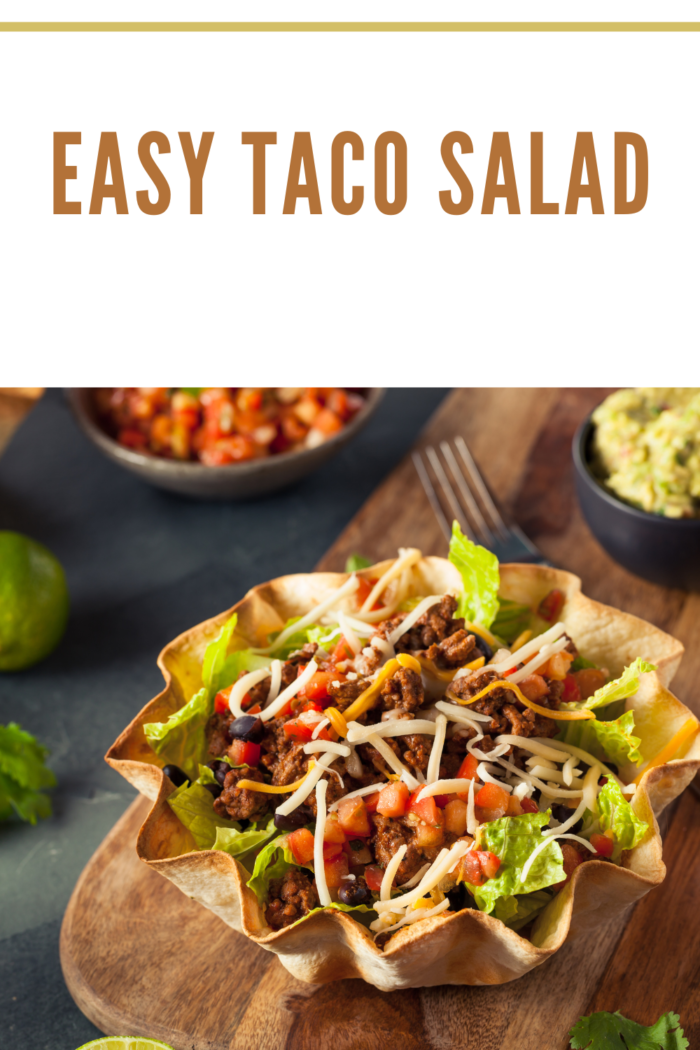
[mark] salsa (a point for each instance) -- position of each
(217, 426)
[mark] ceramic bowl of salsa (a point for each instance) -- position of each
(273, 463)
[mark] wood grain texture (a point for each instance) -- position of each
(140, 958)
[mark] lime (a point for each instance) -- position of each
(33, 601)
(124, 1042)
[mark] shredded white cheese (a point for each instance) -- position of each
(416, 878)
(348, 634)
(472, 822)
(358, 793)
(405, 561)
(544, 654)
(458, 714)
(324, 896)
(291, 691)
(444, 787)
(484, 775)
(359, 734)
(552, 776)
(536, 782)
(413, 617)
(412, 916)
(242, 686)
(349, 587)
(570, 767)
(529, 649)
(329, 746)
(320, 725)
(569, 823)
(433, 771)
(445, 861)
(304, 790)
(571, 750)
(590, 787)
(390, 873)
(275, 681)
(392, 761)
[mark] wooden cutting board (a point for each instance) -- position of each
(140, 958)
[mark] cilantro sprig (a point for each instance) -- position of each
(23, 775)
(604, 1031)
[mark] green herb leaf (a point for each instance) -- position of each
(23, 775)
(182, 740)
(513, 839)
(193, 805)
(272, 862)
(356, 562)
(604, 1031)
(619, 689)
(615, 813)
(480, 577)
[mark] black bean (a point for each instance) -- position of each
(296, 819)
(562, 813)
(483, 647)
(176, 775)
(215, 789)
(354, 891)
(459, 898)
(247, 727)
(222, 768)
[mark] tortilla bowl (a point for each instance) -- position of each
(465, 947)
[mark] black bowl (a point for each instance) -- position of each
(663, 550)
(252, 478)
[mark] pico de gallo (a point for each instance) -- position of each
(394, 757)
(217, 426)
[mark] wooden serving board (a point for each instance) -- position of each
(140, 958)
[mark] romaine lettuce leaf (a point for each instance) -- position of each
(511, 620)
(215, 656)
(516, 912)
(513, 839)
(480, 576)
(236, 843)
(615, 812)
(356, 562)
(608, 741)
(241, 660)
(272, 862)
(619, 689)
(193, 805)
(182, 739)
(23, 775)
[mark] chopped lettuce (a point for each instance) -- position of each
(615, 813)
(581, 664)
(23, 775)
(513, 839)
(215, 655)
(516, 912)
(356, 562)
(236, 842)
(272, 862)
(182, 739)
(339, 906)
(511, 620)
(619, 689)
(605, 1031)
(193, 805)
(608, 741)
(479, 571)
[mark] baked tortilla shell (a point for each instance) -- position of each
(466, 947)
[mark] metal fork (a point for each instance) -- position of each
(477, 513)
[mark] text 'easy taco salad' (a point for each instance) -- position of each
(404, 756)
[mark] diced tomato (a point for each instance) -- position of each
(301, 843)
(602, 845)
(342, 651)
(469, 870)
(493, 801)
(244, 753)
(427, 836)
(393, 799)
(534, 687)
(371, 802)
(333, 831)
(317, 687)
(557, 667)
(220, 703)
(489, 862)
(588, 681)
(467, 771)
(332, 850)
(456, 817)
(426, 810)
(134, 439)
(327, 422)
(515, 808)
(353, 817)
(373, 877)
(571, 693)
(364, 590)
(336, 870)
(297, 730)
(528, 806)
(572, 857)
(441, 800)
(338, 402)
(551, 606)
(255, 709)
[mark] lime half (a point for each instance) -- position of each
(33, 601)
(125, 1042)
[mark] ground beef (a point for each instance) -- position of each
(334, 791)
(506, 713)
(418, 748)
(454, 651)
(289, 765)
(217, 740)
(368, 660)
(291, 897)
(433, 627)
(242, 803)
(403, 691)
(303, 655)
(369, 756)
(345, 693)
(387, 836)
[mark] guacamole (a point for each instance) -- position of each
(646, 448)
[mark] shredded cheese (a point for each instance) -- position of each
(275, 681)
(542, 846)
(556, 745)
(348, 634)
(357, 733)
(537, 748)
(329, 746)
(415, 916)
(444, 787)
(319, 726)
(537, 783)
(569, 823)
(500, 683)
(242, 686)
(303, 787)
(314, 615)
(484, 775)
(392, 761)
(324, 896)
(444, 862)
(440, 730)
(358, 793)
(569, 768)
(553, 776)
(543, 657)
(519, 642)
(472, 822)
(413, 617)
(405, 561)
(529, 649)
(274, 789)
(590, 787)
(337, 721)
(675, 743)
(475, 628)
(291, 691)
(416, 878)
(390, 873)
(457, 715)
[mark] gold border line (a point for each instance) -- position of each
(349, 27)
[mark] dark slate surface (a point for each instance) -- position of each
(142, 566)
